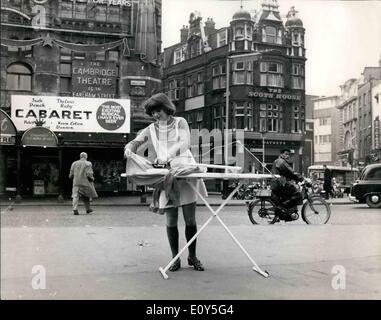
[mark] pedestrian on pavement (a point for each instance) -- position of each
(327, 186)
(168, 140)
(83, 183)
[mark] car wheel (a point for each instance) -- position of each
(373, 200)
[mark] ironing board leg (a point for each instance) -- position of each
(163, 271)
(255, 266)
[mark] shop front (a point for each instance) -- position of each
(40, 163)
(57, 129)
(8, 156)
(108, 164)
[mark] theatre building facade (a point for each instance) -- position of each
(259, 63)
(73, 76)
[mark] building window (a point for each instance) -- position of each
(243, 72)
(113, 14)
(189, 87)
(249, 118)
(65, 85)
(190, 119)
(66, 9)
(65, 69)
(297, 82)
(279, 37)
(238, 34)
(100, 56)
(219, 76)
(200, 118)
(65, 54)
(249, 32)
(222, 38)
(324, 139)
(218, 117)
(270, 118)
(19, 77)
(200, 84)
(174, 90)
(101, 12)
(271, 74)
(113, 55)
(324, 121)
(195, 48)
(239, 77)
(80, 10)
(179, 55)
(270, 35)
(297, 76)
(239, 116)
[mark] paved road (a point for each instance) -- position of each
(115, 254)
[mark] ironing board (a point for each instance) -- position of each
(215, 213)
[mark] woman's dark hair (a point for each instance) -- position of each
(157, 102)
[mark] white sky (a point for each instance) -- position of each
(342, 37)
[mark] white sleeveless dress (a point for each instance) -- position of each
(169, 136)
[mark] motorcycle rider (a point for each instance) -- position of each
(285, 187)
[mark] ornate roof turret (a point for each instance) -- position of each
(270, 11)
(292, 19)
(242, 14)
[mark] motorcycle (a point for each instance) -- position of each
(269, 209)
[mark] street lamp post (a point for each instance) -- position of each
(263, 150)
(263, 131)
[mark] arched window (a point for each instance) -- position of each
(19, 77)
(239, 33)
(347, 141)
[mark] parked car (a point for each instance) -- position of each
(367, 189)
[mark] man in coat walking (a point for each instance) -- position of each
(83, 182)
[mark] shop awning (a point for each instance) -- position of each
(39, 137)
(7, 129)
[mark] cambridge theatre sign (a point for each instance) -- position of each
(270, 93)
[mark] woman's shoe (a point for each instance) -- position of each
(197, 265)
(175, 266)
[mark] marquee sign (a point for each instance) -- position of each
(68, 114)
(39, 137)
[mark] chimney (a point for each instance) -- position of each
(209, 26)
(184, 31)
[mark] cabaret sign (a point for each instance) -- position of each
(274, 94)
(68, 114)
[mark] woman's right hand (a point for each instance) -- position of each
(128, 153)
